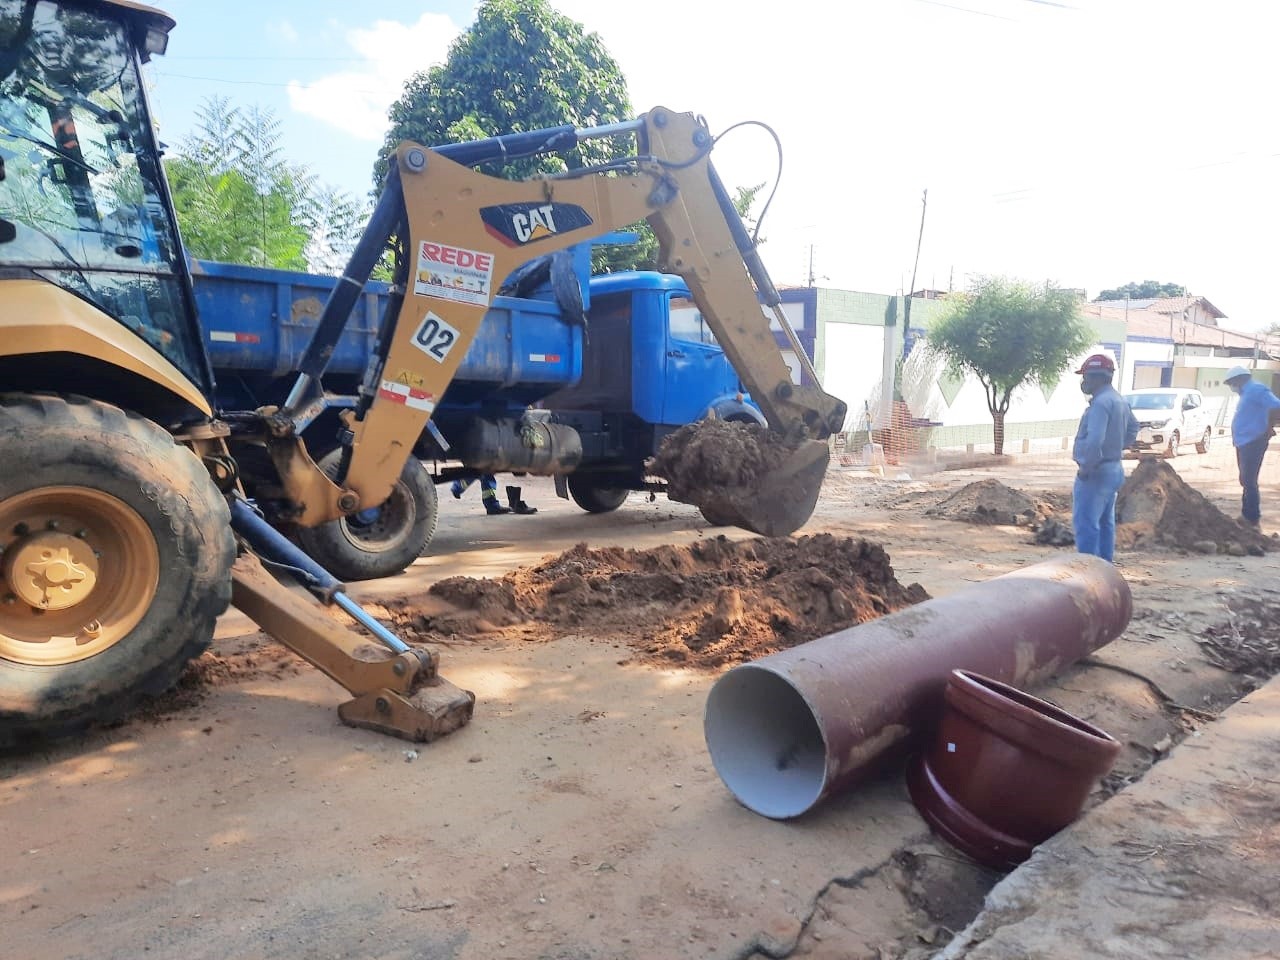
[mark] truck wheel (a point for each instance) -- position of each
(593, 496)
(1171, 450)
(380, 541)
(1203, 445)
(117, 553)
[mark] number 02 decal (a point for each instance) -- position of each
(435, 338)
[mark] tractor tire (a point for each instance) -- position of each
(1203, 445)
(1171, 450)
(117, 554)
(593, 496)
(381, 541)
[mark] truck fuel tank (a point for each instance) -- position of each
(528, 445)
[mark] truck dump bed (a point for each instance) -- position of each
(258, 322)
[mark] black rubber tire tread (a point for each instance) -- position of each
(50, 440)
(1202, 446)
(593, 496)
(328, 546)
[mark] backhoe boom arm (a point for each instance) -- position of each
(467, 231)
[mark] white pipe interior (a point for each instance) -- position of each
(765, 742)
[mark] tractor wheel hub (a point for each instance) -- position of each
(51, 571)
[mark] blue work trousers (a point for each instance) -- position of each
(1249, 460)
(1093, 510)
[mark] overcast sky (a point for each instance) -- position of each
(1087, 142)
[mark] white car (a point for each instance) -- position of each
(1169, 416)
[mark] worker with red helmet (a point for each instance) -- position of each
(1106, 429)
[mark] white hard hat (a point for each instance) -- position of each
(1236, 371)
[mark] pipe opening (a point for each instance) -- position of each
(765, 742)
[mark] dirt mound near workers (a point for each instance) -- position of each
(709, 604)
(991, 502)
(1157, 507)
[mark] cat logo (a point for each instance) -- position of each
(518, 224)
(534, 224)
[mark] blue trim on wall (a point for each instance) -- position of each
(1148, 340)
(1153, 363)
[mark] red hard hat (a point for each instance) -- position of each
(1098, 363)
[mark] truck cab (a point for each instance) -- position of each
(650, 366)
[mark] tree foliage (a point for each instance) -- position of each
(1146, 290)
(239, 201)
(521, 66)
(1008, 333)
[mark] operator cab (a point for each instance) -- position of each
(83, 202)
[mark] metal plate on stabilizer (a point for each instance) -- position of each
(777, 502)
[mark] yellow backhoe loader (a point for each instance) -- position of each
(124, 527)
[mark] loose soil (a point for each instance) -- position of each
(709, 604)
(991, 502)
(713, 453)
(1157, 507)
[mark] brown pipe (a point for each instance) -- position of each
(790, 729)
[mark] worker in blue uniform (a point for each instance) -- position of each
(489, 495)
(1252, 427)
(1106, 429)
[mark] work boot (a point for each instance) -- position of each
(456, 488)
(518, 505)
(493, 507)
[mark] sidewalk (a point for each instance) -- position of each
(1183, 864)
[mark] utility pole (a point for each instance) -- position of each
(906, 318)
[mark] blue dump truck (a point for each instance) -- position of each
(575, 377)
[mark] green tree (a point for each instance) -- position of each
(1008, 333)
(1146, 290)
(521, 66)
(239, 201)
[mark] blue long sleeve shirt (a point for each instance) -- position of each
(1252, 418)
(1106, 429)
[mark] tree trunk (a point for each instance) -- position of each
(997, 420)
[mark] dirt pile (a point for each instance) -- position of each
(1157, 507)
(991, 502)
(717, 453)
(709, 604)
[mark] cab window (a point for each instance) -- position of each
(687, 323)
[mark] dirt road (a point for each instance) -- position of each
(578, 816)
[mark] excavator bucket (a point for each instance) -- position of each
(778, 502)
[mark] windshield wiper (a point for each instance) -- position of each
(49, 147)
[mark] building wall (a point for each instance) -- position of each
(1147, 361)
